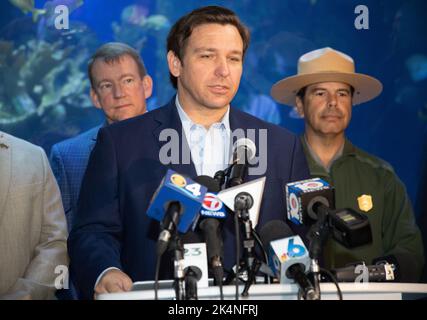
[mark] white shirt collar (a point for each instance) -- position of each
(187, 123)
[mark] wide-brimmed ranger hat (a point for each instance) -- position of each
(326, 65)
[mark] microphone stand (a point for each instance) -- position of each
(242, 203)
(221, 175)
(318, 234)
(179, 273)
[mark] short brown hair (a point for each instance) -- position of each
(182, 29)
(112, 52)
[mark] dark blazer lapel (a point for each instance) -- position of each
(169, 119)
(235, 121)
(238, 122)
(5, 170)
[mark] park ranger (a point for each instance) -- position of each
(324, 92)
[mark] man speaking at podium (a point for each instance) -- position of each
(324, 92)
(113, 241)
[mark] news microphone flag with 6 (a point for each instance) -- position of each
(286, 252)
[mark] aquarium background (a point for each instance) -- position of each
(44, 90)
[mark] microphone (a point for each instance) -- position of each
(169, 223)
(365, 273)
(403, 263)
(254, 188)
(211, 213)
(244, 150)
(288, 256)
(271, 231)
(304, 199)
(196, 260)
(192, 275)
(212, 206)
(176, 204)
(311, 199)
(220, 176)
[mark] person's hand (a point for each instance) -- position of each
(113, 281)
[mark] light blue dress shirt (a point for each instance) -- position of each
(210, 148)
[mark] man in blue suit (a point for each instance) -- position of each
(120, 86)
(113, 242)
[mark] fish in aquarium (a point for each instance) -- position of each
(41, 79)
(134, 14)
(157, 22)
(47, 14)
(138, 15)
(28, 6)
(50, 6)
(136, 25)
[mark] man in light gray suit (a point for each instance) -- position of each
(33, 231)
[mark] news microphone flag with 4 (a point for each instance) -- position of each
(179, 188)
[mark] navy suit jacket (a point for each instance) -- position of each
(68, 160)
(112, 229)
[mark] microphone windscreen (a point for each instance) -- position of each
(195, 271)
(274, 230)
(208, 182)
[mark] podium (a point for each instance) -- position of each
(350, 291)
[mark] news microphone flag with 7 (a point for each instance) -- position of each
(212, 207)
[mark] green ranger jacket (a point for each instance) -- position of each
(369, 185)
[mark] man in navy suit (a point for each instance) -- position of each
(113, 242)
(120, 86)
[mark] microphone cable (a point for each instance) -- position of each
(237, 231)
(258, 240)
(221, 293)
(159, 254)
(334, 280)
(156, 277)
